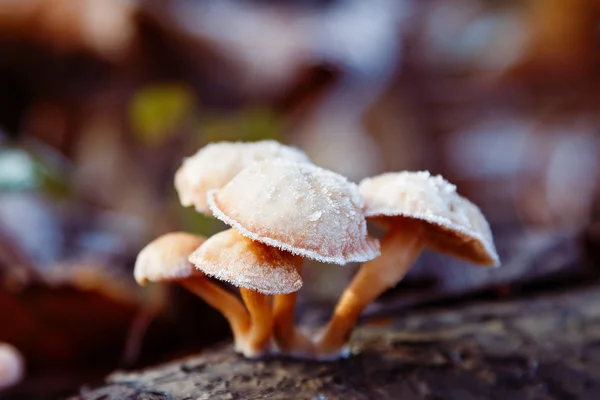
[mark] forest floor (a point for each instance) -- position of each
(542, 347)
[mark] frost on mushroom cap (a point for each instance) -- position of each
(216, 164)
(455, 225)
(297, 207)
(232, 257)
(166, 258)
(12, 366)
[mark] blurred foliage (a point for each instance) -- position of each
(17, 170)
(195, 222)
(21, 170)
(52, 180)
(250, 124)
(156, 111)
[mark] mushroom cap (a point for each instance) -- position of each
(234, 258)
(297, 207)
(166, 258)
(454, 224)
(217, 163)
(12, 366)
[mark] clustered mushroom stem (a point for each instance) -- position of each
(400, 247)
(224, 302)
(290, 340)
(261, 327)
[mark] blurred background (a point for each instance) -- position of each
(101, 100)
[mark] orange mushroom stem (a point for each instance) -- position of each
(400, 247)
(224, 302)
(258, 339)
(290, 340)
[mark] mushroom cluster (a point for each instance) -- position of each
(282, 209)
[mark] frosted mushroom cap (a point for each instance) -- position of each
(166, 258)
(234, 258)
(454, 224)
(216, 164)
(297, 207)
(12, 366)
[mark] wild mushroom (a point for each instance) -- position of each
(258, 270)
(12, 366)
(302, 209)
(217, 163)
(419, 211)
(166, 260)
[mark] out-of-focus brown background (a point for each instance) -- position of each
(101, 100)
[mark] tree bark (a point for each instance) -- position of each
(540, 348)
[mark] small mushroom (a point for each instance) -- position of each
(217, 163)
(12, 366)
(258, 270)
(419, 210)
(166, 260)
(302, 209)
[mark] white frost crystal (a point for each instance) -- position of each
(216, 164)
(234, 258)
(457, 226)
(297, 207)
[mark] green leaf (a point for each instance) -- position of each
(195, 222)
(157, 111)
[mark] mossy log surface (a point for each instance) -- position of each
(546, 347)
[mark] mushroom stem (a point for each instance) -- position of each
(400, 247)
(224, 302)
(290, 340)
(261, 327)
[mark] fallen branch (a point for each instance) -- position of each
(540, 348)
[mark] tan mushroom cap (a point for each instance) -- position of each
(455, 225)
(234, 258)
(166, 258)
(297, 207)
(216, 164)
